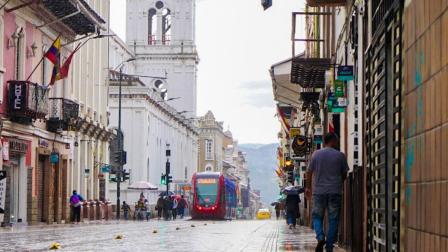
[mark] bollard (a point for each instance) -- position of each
(110, 212)
(92, 210)
(85, 210)
(98, 210)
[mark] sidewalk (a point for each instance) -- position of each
(300, 239)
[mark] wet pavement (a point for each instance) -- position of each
(179, 235)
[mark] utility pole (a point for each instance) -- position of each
(120, 144)
(168, 169)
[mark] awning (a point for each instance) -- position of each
(284, 91)
(309, 72)
(84, 22)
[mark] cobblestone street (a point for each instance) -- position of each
(181, 235)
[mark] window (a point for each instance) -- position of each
(166, 26)
(152, 26)
(208, 149)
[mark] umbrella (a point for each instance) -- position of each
(291, 190)
(170, 193)
(142, 185)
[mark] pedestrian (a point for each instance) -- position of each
(181, 206)
(148, 210)
(277, 210)
(327, 171)
(75, 203)
(292, 208)
(167, 206)
(174, 208)
(159, 207)
(140, 209)
(126, 208)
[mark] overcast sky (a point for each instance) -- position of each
(237, 43)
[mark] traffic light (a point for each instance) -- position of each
(125, 175)
(163, 179)
(117, 157)
(120, 157)
(167, 167)
(169, 179)
(113, 179)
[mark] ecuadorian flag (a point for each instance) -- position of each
(53, 53)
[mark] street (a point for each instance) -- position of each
(180, 235)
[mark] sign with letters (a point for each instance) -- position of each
(345, 73)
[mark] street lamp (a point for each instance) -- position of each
(120, 141)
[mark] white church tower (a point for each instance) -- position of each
(162, 35)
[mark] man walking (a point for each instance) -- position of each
(327, 171)
(75, 203)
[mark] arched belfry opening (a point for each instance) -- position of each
(152, 26)
(166, 26)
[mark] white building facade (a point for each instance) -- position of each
(161, 33)
(149, 125)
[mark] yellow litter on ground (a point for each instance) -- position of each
(119, 237)
(55, 246)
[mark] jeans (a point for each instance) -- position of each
(77, 214)
(126, 215)
(332, 202)
(180, 212)
(291, 217)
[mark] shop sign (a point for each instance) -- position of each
(5, 150)
(317, 139)
(293, 132)
(345, 73)
(336, 104)
(17, 146)
(2, 194)
(28, 99)
(54, 158)
(105, 169)
(339, 89)
(43, 143)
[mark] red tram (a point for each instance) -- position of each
(209, 196)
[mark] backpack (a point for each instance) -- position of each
(74, 201)
(182, 203)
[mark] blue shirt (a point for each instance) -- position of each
(328, 166)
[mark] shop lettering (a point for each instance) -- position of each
(18, 97)
(17, 146)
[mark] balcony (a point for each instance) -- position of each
(63, 114)
(27, 101)
(322, 3)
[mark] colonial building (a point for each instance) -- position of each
(211, 143)
(161, 33)
(54, 139)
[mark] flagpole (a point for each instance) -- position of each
(40, 61)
